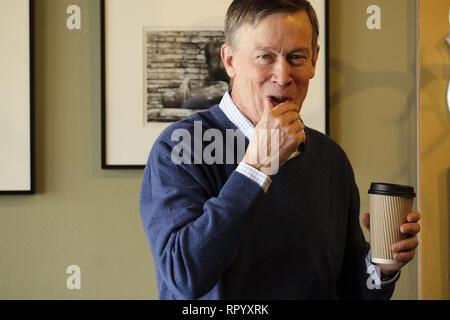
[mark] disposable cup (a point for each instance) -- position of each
(389, 207)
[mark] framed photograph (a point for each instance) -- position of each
(16, 110)
(162, 64)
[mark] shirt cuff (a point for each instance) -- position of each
(374, 273)
(255, 175)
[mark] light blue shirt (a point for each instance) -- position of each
(247, 128)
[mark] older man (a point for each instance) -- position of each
(281, 222)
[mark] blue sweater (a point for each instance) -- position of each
(214, 233)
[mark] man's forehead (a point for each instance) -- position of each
(263, 47)
(298, 20)
(268, 29)
(296, 15)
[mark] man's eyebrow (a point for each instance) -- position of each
(304, 50)
(260, 48)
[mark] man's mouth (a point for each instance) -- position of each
(276, 100)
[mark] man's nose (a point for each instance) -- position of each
(282, 73)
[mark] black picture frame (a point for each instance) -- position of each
(105, 161)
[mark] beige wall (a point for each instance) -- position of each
(90, 217)
(434, 149)
(373, 103)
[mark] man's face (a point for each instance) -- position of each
(273, 61)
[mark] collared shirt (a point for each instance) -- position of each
(233, 113)
(247, 128)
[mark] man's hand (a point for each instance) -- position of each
(405, 250)
(277, 135)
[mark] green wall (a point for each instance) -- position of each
(83, 215)
(373, 99)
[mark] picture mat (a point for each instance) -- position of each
(15, 159)
(128, 139)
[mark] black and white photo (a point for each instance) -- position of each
(184, 72)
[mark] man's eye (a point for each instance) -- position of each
(265, 58)
(297, 59)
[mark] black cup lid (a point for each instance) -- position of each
(388, 189)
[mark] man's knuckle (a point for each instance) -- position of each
(299, 139)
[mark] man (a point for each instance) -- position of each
(283, 223)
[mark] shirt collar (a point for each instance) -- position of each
(236, 116)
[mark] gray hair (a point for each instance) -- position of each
(241, 12)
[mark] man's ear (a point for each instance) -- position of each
(314, 61)
(227, 57)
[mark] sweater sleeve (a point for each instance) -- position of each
(356, 280)
(194, 235)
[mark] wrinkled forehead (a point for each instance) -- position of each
(256, 19)
(268, 26)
